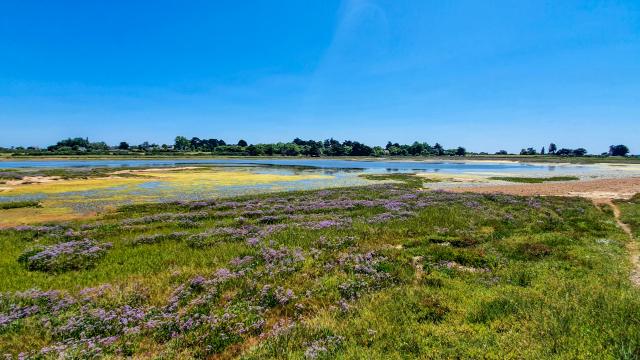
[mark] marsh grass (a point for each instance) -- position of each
(320, 274)
(412, 180)
(19, 204)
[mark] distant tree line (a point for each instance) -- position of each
(614, 150)
(297, 147)
(553, 150)
(328, 147)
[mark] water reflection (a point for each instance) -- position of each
(330, 166)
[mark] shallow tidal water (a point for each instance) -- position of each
(230, 177)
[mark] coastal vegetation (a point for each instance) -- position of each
(379, 271)
(631, 213)
(298, 147)
(19, 204)
(409, 179)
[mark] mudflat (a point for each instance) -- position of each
(619, 188)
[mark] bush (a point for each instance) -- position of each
(71, 255)
(534, 250)
(19, 204)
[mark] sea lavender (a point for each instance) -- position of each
(71, 255)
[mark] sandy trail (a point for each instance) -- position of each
(632, 245)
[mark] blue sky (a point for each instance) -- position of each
(485, 75)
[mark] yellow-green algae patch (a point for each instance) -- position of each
(11, 217)
(183, 179)
(227, 178)
(63, 186)
(70, 199)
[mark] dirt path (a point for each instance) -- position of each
(632, 245)
(618, 214)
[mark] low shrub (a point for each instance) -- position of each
(71, 255)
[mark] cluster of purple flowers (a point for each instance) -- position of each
(323, 224)
(252, 234)
(88, 330)
(280, 328)
(165, 217)
(39, 230)
(211, 312)
(86, 325)
(472, 204)
(270, 297)
(366, 274)
(214, 235)
(336, 243)
(241, 262)
(17, 312)
(323, 347)
(90, 322)
(28, 303)
(71, 255)
(255, 219)
(283, 260)
(387, 216)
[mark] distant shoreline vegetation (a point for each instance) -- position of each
(297, 147)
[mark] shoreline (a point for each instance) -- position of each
(453, 159)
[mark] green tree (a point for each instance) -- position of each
(438, 149)
(98, 146)
(378, 151)
(579, 152)
(618, 150)
(181, 143)
(528, 151)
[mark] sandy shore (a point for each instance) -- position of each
(600, 189)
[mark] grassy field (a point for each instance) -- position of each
(410, 180)
(382, 271)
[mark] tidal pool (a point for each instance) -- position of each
(174, 180)
(67, 199)
(368, 166)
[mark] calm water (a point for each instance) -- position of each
(341, 173)
(344, 165)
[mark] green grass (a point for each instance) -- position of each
(534, 180)
(502, 277)
(18, 204)
(411, 180)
